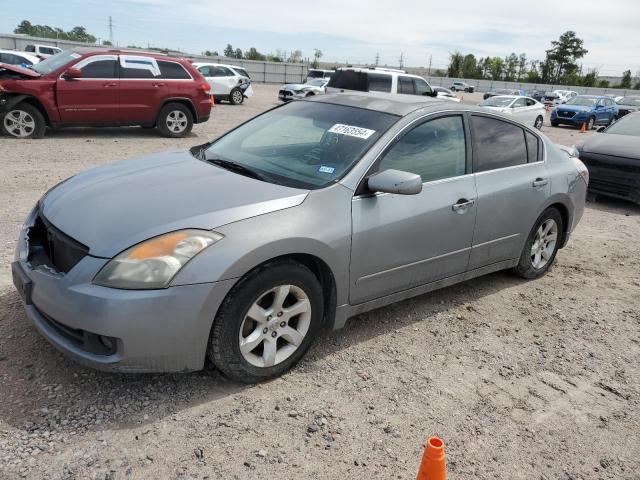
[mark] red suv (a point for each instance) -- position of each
(98, 87)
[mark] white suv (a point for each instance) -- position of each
(378, 80)
(228, 82)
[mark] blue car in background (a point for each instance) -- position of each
(588, 109)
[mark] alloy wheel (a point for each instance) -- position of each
(275, 326)
(19, 123)
(177, 121)
(237, 96)
(544, 243)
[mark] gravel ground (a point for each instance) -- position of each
(523, 380)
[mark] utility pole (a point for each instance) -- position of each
(430, 59)
(401, 60)
(377, 59)
(111, 31)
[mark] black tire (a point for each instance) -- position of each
(525, 268)
(554, 124)
(310, 94)
(453, 89)
(36, 123)
(236, 97)
(163, 119)
(539, 122)
(591, 123)
(224, 345)
(466, 90)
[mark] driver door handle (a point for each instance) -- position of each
(158, 85)
(110, 84)
(462, 205)
(540, 182)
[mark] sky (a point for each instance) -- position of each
(355, 31)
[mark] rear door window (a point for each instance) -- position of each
(138, 67)
(379, 82)
(497, 144)
(533, 147)
(172, 71)
(405, 85)
(422, 87)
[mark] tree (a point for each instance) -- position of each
(590, 79)
(603, 84)
(237, 53)
(626, 79)
(562, 56)
(253, 54)
(469, 66)
(495, 67)
(316, 57)
(296, 56)
(78, 33)
(228, 51)
(456, 60)
(522, 66)
(107, 43)
(510, 67)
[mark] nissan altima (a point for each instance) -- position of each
(242, 250)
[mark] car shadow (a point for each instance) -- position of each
(613, 205)
(107, 132)
(44, 390)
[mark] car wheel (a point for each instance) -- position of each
(175, 120)
(554, 124)
(267, 322)
(591, 123)
(466, 90)
(236, 97)
(538, 123)
(310, 94)
(23, 121)
(453, 89)
(541, 246)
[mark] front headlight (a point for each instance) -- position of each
(154, 262)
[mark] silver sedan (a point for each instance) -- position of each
(243, 249)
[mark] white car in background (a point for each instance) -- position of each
(558, 97)
(295, 91)
(228, 82)
(445, 93)
(42, 51)
(12, 57)
(524, 109)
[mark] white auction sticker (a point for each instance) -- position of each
(352, 131)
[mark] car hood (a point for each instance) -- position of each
(113, 207)
(575, 108)
(627, 146)
(18, 69)
(294, 86)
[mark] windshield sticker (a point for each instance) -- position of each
(326, 169)
(352, 131)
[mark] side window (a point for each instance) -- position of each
(379, 82)
(138, 67)
(405, 85)
(47, 51)
(497, 144)
(422, 87)
(104, 68)
(227, 72)
(519, 103)
(172, 71)
(30, 48)
(533, 147)
(434, 150)
(205, 71)
(216, 72)
(530, 102)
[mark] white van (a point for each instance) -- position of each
(387, 80)
(42, 51)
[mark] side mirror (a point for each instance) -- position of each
(72, 73)
(395, 181)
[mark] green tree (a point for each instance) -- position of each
(590, 79)
(522, 66)
(237, 53)
(469, 66)
(626, 79)
(562, 56)
(253, 54)
(495, 68)
(107, 43)
(78, 33)
(603, 84)
(456, 59)
(296, 56)
(510, 67)
(316, 58)
(228, 51)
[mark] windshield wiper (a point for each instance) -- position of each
(236, 167)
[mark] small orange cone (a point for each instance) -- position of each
(433, 466)
(583, 128)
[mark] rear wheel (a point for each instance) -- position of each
(23, 121)
(466, 90)
(591, 123)
(554, 124)
(236, 97)
(541, 246)
(267, 322)
(538, 123)
(175, 120)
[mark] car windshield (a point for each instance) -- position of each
(583, 101)
(302, 144)
(54, 62)
(318, 82)
(497, 102)
(635, 101)
(627, 125)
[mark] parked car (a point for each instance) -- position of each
(42, 51)
(537, 95)
(12, 57)
(524, 109)
(628, 104)
(378, 80)
(558, 97)
(613, 159)
(314, 73)
(445, 93)
(228, 82)
(502, 91)
(98, 87)
(590, 110)
(462, 87)
(296, 91)
(242, 249)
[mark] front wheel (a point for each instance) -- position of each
(466, 90)
(267, 322)
(538, 123)
(175, 120)
(23, 121)
(236, 97)
(541, 246)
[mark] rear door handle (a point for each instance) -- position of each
(540, 182)
(158, 85)
(109, 84)
(462, 205)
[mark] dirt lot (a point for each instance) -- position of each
(523, 380)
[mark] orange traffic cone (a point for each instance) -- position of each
(433, 466)
(583, 128)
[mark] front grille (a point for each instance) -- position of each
(565, 114)
(53, 248)
(87, 341)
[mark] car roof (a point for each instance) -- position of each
(383, 71)
(119, 51)
(212, 64)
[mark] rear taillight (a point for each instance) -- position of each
(212, 99)
(204, 87)
(583, 171)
